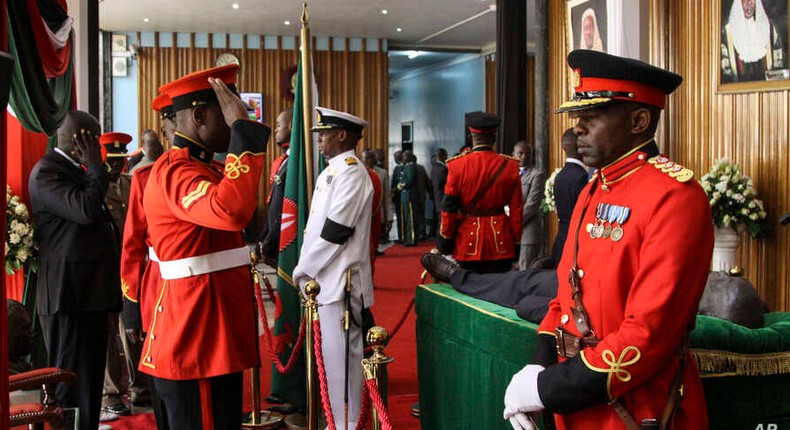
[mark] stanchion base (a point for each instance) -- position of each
(299, 422)
(269, 420)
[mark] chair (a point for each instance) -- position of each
(34, 415)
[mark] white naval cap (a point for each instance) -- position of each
(328, 118)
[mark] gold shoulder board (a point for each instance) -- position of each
(674, 170)
(351, 161)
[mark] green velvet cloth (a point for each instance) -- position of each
(468, 349)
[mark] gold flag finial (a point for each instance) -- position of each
(305, 16)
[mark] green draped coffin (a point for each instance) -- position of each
(467, 350)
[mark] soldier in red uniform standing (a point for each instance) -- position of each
(612, 351)
(140, 280)
(202, 331)
(475, 228)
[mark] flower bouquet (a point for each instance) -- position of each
(20, 248)
(548, 204)
(732, 198)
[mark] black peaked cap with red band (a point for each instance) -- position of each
(600, 79)
(482, 122)
(194, 89)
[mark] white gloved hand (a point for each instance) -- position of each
(521, 421)
(522, 392)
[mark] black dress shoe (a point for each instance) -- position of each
(439, 267)
(285, 409)
(118, 409)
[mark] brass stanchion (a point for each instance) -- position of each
(311, 290)
(376, 365)
(266, 419)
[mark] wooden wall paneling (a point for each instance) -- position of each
(751, 129)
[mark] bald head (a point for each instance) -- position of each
(75, 121)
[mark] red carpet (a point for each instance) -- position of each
(397, 273)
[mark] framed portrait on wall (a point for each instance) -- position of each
(254, 102)
(587, 25)
(753, 46)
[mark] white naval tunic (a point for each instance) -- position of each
(341, 200)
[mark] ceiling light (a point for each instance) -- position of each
(412, 54)
(384, 11)
(398, 29)
(287, 22)
(146, 19)
(235, 5)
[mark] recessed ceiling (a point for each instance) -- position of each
(417, 19)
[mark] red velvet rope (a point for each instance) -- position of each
(378, 403)
(267, 337)
(319, 363)
(269, 288)
(364, 410)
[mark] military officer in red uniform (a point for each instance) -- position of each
(475, 228)
(202, 331)
(140, 280)
(612, 350)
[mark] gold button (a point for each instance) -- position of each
(641, 156)
(471, 233)
(160, 309)
(499, 232)
(152, 336)
(494, 222)
(148, 359)
(581, 273)
(564, 319)
(470, 243)
(605, 187)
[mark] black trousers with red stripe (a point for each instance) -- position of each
(207, 404)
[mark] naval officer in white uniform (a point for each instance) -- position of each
(337, 242)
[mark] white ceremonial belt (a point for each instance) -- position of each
(201, 264)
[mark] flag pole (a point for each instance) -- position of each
(307, 102)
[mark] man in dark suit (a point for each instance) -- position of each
(533, 235)
(422, 189)
(79, 279)
(438, 181)
(567, 185)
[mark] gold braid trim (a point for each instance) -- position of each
(713, 361)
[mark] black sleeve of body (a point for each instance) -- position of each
(571, 386)
(246, 135)
(336, 233)
(451, 203)
(444, 245)
(131, 315)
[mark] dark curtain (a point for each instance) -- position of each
(511, 72)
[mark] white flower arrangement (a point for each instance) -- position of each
(549, 204)
(732, 198)
(20, 248)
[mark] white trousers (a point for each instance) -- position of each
(334, 348)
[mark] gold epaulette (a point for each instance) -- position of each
(350, 161)
(511, 157)
(674, 170)
(457, 157)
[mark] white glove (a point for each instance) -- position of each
(522, 392)
(522, 422)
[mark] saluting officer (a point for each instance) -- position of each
(475, 228)
(140, 279)
(202, 333)
(612, 352)
(336, 249)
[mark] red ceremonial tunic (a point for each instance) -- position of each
(641, 293)
(482, 232)
(139, 277)
(203, 325)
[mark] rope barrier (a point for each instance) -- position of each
(378, 403)
(267, 336)
(319, 363)
(364, 409)
(269, 288)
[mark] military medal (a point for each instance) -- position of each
(622, 216)
(607, 231)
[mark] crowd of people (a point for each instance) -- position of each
(150, 260)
